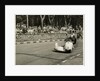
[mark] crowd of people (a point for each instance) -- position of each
(47, 29)
(70, 32)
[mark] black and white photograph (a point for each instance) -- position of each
(49, 39)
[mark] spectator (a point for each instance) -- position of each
(24, 30)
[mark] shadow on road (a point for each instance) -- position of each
(61, 51)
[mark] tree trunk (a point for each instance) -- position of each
(65, 21)
(42, 19)
(32, 22)
(41, 24)
(20, 24)
(51, 20)
(69, 21)
(27, 21)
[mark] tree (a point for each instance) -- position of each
(76, 20)
(42, 19)
(51, 19)
(21, 19)
(18, 19)
(31, 20)
(27, 20)
(57, 22)
(65, 20)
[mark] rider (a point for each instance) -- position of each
(68, 45)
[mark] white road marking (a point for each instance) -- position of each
(64, 61)
(37, 41)
(77, 54)
(58, 40)
(43, 41)
(72, 57)
(31, 42)
(24, 42)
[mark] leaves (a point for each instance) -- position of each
(53, 20)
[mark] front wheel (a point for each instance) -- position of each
(70, 51)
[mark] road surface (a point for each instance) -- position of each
(43, 54)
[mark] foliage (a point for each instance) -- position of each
(53, 20)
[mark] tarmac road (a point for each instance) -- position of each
(43, 54)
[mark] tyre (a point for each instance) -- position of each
(70, 51)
